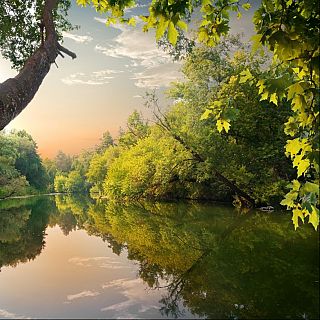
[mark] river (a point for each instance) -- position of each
(72, 257)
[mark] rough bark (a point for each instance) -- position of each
(17, 92)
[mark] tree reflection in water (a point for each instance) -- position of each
(22, 229)
(212, 260)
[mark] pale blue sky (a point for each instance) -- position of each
(96, 92)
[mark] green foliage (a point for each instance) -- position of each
(251, 152)
(74, 182)
(22, 224)
(159, 161)
(98, 168)
(20, 165)
(20, 32)
(105, 142)
(146, 169)
(28, 162)
(137, 128)
(63, 162)
(290, 29)
(60, 183)
(51, 170)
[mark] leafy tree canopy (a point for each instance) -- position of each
(21, 29)
(290, 29)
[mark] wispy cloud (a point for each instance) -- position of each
(160, 76)
(134, 293)
(100, 262)
(77, 38)
(9, 315)
(95, 78)
(151, 67)
(83, 294)
(136, 45)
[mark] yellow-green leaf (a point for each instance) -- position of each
(261, 86)
(314, 217)
(223, 125)
(289, 199)
(264, 96)
(206, 114)
(132, 22)
(293, 147)
(273, 98)
(246, 6)
(294, 89)
(82, 2)
(245, 75)
(310, 187)
(161, 28)
(295, 185)
(172, 33)
(298, 103)
(182, 25)
(256, 42)
(296, 214)
(203, 36)
(303, 166)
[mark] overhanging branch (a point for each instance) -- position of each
(16, 93)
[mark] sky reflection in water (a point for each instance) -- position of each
(153, 260)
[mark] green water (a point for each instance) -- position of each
(68, 257)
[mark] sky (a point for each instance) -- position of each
(97, 91)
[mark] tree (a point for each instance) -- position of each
(24, 26)
(147, 169)
(51, 170)
(21, 169)
(60, 183)
(98, 168)
(63, 162)
(136, 129)
(28, 162)
(105, 142)
(251, 153)
(290, 29)
(75, 182)
(191, 158)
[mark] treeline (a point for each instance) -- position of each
(21, 169)
(178, 155)
(181, 153)
(23, 172)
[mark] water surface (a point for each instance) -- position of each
(71, 257)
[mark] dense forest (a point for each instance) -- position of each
(180, 156)
(243, 126)
(178, 153)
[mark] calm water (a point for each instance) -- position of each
(64, 257)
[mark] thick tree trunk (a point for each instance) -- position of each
(16, 93)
